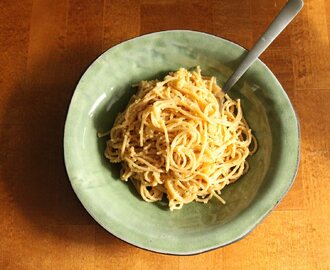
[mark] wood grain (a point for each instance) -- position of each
(46, 46)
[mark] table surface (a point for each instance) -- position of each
(45, 47)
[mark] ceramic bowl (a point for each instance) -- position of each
(105, 89)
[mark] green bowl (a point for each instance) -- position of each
(105, 89)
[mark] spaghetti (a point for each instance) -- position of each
(181, 137)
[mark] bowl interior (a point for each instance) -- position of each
(105, 89)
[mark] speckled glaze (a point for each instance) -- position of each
(104, 90)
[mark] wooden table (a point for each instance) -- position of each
(45, 46)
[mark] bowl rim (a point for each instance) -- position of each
(262, 216)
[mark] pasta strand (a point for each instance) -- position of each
(181, 137)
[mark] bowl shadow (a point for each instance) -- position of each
(32, 164)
